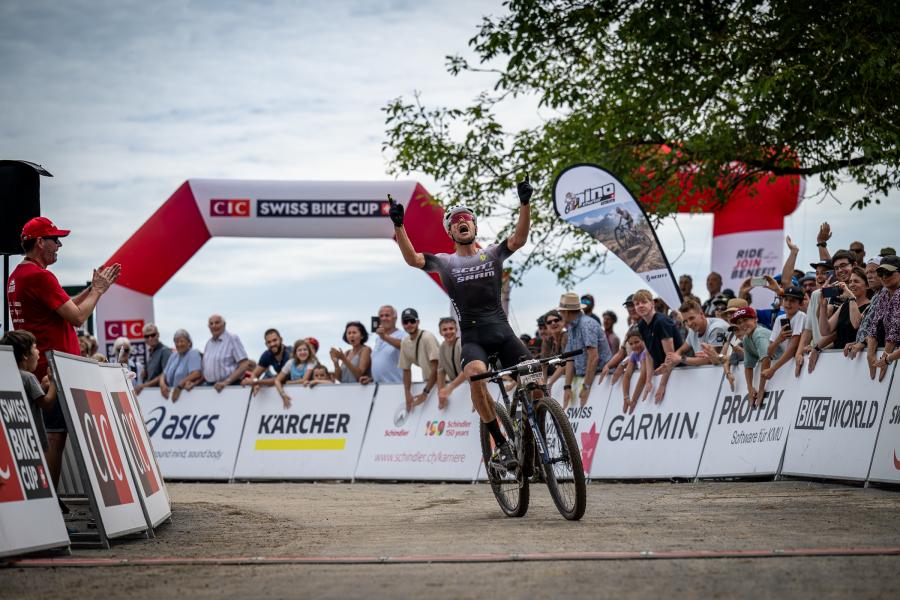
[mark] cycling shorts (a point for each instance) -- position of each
(478, 343)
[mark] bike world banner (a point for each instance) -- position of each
(659, 441)
(198, 436)
(426, 444)
(99, 448)
(151, 489)
(886, 461)
(319, 437)
(839, 411)
(29, 514)
(745, 440)
(595, 201)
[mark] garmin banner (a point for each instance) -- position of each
(839, 410)
(198, 436)
(318, 437)
(747, 440)
(29, 514)
(886, 461)
(594, 200)
(659, 440)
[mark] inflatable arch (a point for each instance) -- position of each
(204, 208)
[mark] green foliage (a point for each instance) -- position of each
(781, 87)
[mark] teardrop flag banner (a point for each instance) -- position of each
(594, 200)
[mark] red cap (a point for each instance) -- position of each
(743, 313)
(40, 227)
(314, 343)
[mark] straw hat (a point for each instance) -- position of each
(570, 301)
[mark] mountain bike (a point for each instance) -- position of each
(538, 430)
(628, 237)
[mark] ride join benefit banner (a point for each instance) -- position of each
(594, 200)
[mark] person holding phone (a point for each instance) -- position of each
(785, 337)
(846, 320)
(386, 350)
(813, 341)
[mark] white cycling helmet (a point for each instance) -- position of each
(450, 212)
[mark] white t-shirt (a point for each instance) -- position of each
(798, 322)
(812, 323)
(715, 334)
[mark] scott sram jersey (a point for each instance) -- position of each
(473, 283)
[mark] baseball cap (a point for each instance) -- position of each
(890, 263)
(409, 313)
(809, 276)
(587, 299)
(743, 313)
(314, 343)
(721, 299)
(541, 321)
(886, 251)
(40, 227)
(821, 263)
(874, 260)
(629, 300)
(793, 292)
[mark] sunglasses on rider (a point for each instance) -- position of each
(459, 217)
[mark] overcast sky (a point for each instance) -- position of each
(123, 101)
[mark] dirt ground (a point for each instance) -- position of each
(395, 520)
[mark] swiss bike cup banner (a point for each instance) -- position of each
(839, 411)
(595, 201)
(100, 449)
(886, 461)
(659, 440)
(29, 514)
(587, 420)
(425, 443)
(198, 436)
(746, 440)
(319, 437)
(151, 489)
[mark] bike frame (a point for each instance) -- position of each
(523, 396)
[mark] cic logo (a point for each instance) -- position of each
(230, 207)
(133, 329)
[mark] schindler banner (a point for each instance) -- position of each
(594, 200)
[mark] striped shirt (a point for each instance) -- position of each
(221, 356)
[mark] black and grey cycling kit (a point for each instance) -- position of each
(473, 284)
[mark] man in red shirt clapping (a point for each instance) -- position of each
(37, 303)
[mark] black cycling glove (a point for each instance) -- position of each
(395, 212)
(525, 191)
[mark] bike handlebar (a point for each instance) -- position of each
(544, 361)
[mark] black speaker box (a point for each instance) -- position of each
(20, 200)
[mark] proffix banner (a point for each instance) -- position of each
(198, 436)
(150, 486)
(99, 449)
(594, 200)
(29, 514)
(659, 440)
(318, 437)
(423, 444)
(839, 410)
(886, 461)
(746, 440)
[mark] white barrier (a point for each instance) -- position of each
(426, 444)
(659, 440)
(319, 437)
(886, 461)
(745, 440)
(198, 436)
(838, 414)
(151, 488)
(29, 514)
(587, 420)
(98, 446)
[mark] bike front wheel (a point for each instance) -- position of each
(564, 472)
(510, 488)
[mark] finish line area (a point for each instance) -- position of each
(450, 540)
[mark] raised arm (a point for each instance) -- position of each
(787, 272)
(520, 235)
(412, 258)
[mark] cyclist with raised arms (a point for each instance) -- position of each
(472, 277)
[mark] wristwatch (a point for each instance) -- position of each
(567, 387)
(426, 391)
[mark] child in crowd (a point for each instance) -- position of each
(298, 370)
(40, 395)
(637, 359)
(786, 332)
(321, 376)
(756, 351)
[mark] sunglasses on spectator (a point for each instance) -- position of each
(552, 321)
(151, 335)
(408, 321)
(52, 238)
(884, 272)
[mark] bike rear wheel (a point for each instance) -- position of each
(510, 488)
(564, 474)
